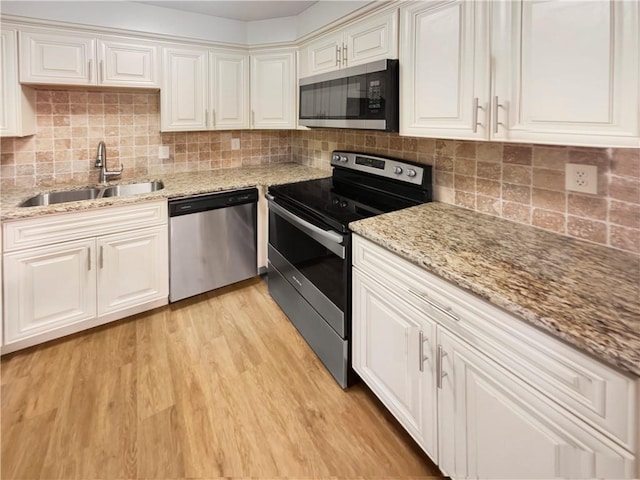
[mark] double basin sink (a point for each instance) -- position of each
(92, 193)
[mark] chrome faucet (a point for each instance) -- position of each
(101, 163)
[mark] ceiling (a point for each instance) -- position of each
(246, 11)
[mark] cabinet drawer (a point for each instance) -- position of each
(50, 229)
(595, 392)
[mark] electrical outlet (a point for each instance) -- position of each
(235, 144)
(163, 152)
(581, 178)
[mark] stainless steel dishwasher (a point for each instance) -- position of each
(213, 241)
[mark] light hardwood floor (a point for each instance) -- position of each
(220, 385)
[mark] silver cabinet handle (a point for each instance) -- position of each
(90, 69)
(476, 107)
(101, 262)
(101, 71)
(337, 56)
(496, 105)
(89, 259)
(446, 310)
(213, 118)
(439, 372)
(253, 118)
(421, 356)
(206, 117)
(344, 55)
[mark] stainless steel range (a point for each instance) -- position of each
(310, 244)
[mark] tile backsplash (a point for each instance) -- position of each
(71, 123)
(522, 183)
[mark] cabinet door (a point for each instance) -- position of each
(567, 72)
(183, 95)
(371, 39)
(132, 269)
(17, 102)
(273, 91)
(128, 64)
(48, 288)
(321, 55)
(229, 89)
(445, 69)
(56, 58)
(393, 354)
(494, 426)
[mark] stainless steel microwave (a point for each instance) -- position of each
(364, 97)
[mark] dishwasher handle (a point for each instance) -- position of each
(203, 203)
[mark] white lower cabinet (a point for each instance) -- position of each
(394, 355)
(131, 268)
(49, 287)
(493, 426)
(464, 380)
(66, 273)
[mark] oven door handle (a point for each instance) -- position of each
(312, 230)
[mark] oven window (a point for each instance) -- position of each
(319, 265)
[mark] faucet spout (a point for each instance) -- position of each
(101, 154)
(101, 163)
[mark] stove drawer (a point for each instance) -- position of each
(318, 300)
(330, 348)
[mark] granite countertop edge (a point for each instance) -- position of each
(610, 351)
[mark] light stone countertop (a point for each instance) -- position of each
(586, 294)
(175, 185)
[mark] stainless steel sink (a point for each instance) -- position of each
(132, 189)
(62, 197)
(92, 193)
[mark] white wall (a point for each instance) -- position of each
(133, 16)
(144, 18)
(323, 13)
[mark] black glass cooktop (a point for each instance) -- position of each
(337, 203)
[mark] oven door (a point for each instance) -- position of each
(312, 259)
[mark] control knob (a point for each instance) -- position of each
(411, 172)
(336, 157)
(397, 170)
(344, 159)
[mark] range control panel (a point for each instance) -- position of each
(381, 166)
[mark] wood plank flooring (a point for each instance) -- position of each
(220, 385)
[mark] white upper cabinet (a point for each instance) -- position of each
(203, 90)
(366, 40)
(17, 102)
(557, 72)
(55, 57)
(567, 72)
(445, 61)
(273, 90)
(321, 55)
(183, 94)
(126, 63)
(229, 90)
(371, 39)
